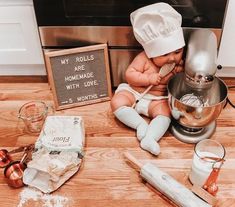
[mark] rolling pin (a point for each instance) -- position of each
(167, 185)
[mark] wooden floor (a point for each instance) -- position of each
(105, 179)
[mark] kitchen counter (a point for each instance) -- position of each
(105, 179)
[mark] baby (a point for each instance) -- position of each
(157, 28)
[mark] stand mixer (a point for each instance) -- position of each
(197, 96)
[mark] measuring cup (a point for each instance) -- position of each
(14, 172)
(208, 154)
(5, 156)
(33, 114)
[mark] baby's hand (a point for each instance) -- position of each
(154, 79)
(179, 68)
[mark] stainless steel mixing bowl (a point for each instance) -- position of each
(187, 115)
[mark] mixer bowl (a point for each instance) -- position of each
(189, 113)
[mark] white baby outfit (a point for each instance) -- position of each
(157, 28)
(143, 104)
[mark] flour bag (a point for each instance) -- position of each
(58, 153)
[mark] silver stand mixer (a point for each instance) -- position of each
(197, 96)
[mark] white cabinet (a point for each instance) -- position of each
(20, 48)
(226, 55)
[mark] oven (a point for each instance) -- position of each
(76, 23)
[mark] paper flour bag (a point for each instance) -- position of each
(58, 153)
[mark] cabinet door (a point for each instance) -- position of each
(19, 39)
(226, 55)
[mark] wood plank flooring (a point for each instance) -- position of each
(105, 179)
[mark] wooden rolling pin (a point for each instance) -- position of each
(167, 185)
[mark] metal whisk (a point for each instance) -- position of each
(194, 100)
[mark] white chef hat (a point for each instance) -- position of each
(157, 28)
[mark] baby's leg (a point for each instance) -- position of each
(121, 105)
(157, 127)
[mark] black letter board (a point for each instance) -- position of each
(79, 76)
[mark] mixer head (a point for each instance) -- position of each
(201, 56)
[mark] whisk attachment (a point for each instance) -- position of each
(193, 100)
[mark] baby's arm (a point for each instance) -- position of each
(139, 72)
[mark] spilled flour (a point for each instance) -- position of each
(46, 200)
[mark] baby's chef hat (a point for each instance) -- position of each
(157, 28)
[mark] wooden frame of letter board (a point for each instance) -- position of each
(80, 50)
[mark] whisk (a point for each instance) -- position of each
(194, 100)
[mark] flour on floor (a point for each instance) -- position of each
(47, 200)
